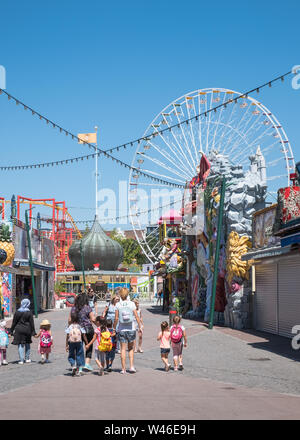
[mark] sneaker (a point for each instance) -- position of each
(20, 362)
(88, 367)
(28, 361)
(47, 361)
(74, 371)
(78, 372)
(4, 363)
(167, 367)
(180, 367)
(132, 370)
(42, 361)
(123, 371)
(109, 369)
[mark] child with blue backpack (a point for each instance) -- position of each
(4, 341)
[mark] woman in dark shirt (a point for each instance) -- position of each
(23, 329)
(85, 319)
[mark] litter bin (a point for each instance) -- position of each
(172, 313)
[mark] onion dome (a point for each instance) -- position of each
(97, 248)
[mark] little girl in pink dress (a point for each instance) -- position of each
(46, 340)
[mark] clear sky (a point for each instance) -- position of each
(116, 65)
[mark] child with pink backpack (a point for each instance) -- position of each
(177, 333)
(46, 340)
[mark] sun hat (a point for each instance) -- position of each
(45, 322)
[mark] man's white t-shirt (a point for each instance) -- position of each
(122, 326)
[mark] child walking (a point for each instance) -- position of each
(140, 333)
(177, 332)
(164, 338)
(110, 355)
(74, 345)
(46, 340)
(4, 341)
(103, 337)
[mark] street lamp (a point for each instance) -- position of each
(30, 261)
(82, 264)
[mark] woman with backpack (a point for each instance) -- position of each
(86, 318)
(22, 330)
(46, 340)
(177, 332)
(124, 319)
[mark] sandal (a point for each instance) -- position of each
(132, 370)
(123, 371)
(140, 350)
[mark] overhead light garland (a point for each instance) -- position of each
(107, 152)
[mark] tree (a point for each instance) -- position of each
(131, 247)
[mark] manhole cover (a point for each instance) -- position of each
(259, 359)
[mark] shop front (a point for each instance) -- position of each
(275, 275)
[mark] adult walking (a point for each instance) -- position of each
(22, 330)
(86, 318)
(92, 300)
(124, 319)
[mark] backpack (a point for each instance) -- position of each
(45, 339)
(105, 342)
(125, 313)
(75, 333)
(176, 334)
(3, 338)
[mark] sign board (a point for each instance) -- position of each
(147, 267)
(263, 222)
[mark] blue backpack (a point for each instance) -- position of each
(4, 341)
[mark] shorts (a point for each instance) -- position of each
(100, 356)
(110, 355)
(177, 348)
(127, 336)
(165, 350)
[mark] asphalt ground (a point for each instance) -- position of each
(227, 374)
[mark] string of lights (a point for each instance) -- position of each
(121, 216)
(107, 152)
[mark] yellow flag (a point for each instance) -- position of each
(91, 138)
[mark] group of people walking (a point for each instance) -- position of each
(119, 329)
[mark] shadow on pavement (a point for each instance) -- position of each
(276, 344)
(156, 310)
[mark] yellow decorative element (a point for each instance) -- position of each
(237, 247)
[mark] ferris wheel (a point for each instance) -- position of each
(174, 143)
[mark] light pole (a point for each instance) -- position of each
(30, 262)
(82, 264)
(217, 254)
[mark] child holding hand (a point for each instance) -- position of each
(164, 338)
(103, 337)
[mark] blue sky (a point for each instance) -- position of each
(116, 65)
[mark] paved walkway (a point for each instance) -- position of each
(228, 374)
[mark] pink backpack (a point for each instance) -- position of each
(176, 334)
(45, 339)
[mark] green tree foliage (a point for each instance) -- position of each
(131, 247)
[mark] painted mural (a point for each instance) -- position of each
(6, 291)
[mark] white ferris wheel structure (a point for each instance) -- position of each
(177, 137)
